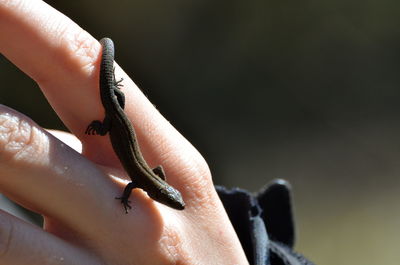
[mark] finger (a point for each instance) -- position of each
(23, 243)
(46, 176)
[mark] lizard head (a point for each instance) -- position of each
(170, 197)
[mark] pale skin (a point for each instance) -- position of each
(75, 191)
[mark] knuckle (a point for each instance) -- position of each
(20, 139)
(172, 247)
(76, 53)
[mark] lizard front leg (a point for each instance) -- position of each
(98, 127)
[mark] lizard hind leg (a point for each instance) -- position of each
(98, 127)
(94, 127)
(117, 92)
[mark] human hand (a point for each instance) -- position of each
(83, 224)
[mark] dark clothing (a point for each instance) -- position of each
(264, 223)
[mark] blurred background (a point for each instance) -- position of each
(302, 90)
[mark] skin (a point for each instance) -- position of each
(75, 191)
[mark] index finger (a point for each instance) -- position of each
(64, 60)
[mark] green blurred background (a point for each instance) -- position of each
(303, 90)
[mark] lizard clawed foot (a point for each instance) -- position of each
(95, 127)
(125, 202)
(98, 128)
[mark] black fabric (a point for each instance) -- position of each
(275, 200)
(264, 223)
(245, 215)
